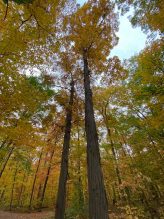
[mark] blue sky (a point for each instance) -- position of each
(131, 40)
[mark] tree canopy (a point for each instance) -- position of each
(78, 127)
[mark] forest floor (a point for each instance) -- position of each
(43, 215)
(36, 215)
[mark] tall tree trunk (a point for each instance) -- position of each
(114, 195)
(79, 180)
(46, 179)
(115, 160)
(39, 191)
(6, 161)
(12, 190)
(105, 118)
(98, 204)
(40, 185)
(24, 195)
(61, 196)
(33, 186)
(126, 192)
(21, 190)
(126, 195)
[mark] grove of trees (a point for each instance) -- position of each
(81, 132)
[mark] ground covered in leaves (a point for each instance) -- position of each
(35, 215)
(45, 215)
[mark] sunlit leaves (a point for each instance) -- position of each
(92, 30)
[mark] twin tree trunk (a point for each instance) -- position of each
(98, 204)
(61, 196)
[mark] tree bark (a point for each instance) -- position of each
(21, 190)
(61, 196)
(39, 195)
(12, 191)
(79, 180)
(98, 204)
(33, 186)
(6, 161)
(125, 195)
(46, 179)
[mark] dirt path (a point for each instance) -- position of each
(37, 215)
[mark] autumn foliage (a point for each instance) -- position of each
(78, 127)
